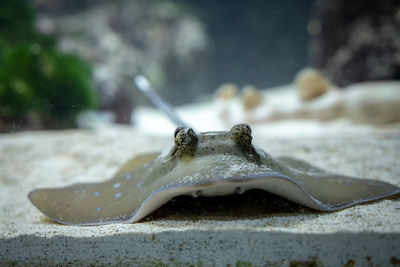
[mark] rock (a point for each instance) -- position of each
(356, 41)
(251, 97)
(311, 83)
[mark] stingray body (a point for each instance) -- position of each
(209, 164)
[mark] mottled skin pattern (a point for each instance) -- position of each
(185, 141)
(241, 134)
(188, 144)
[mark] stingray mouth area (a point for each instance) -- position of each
(278, 185)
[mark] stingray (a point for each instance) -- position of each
(204, 164)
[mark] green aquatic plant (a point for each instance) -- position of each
(40, 87)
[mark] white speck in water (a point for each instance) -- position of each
(98, 209)
(117, 195)
(117, 185)
(128, 176)
(139, 185)
(96, 194)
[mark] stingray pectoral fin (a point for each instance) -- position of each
(332, 191)
(299, 165)
(114, 200)
(89, 204)
(83, 204)
(136, 162)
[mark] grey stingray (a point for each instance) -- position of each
(208, 164)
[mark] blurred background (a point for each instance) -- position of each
(59, 58)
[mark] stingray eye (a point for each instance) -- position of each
(177, 130)
(241, 134)
(247, 128)
(241, 129)
(191, 134)
(180, 135)
(186, 141)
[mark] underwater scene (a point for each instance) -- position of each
(200, 133)
(67, 64)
